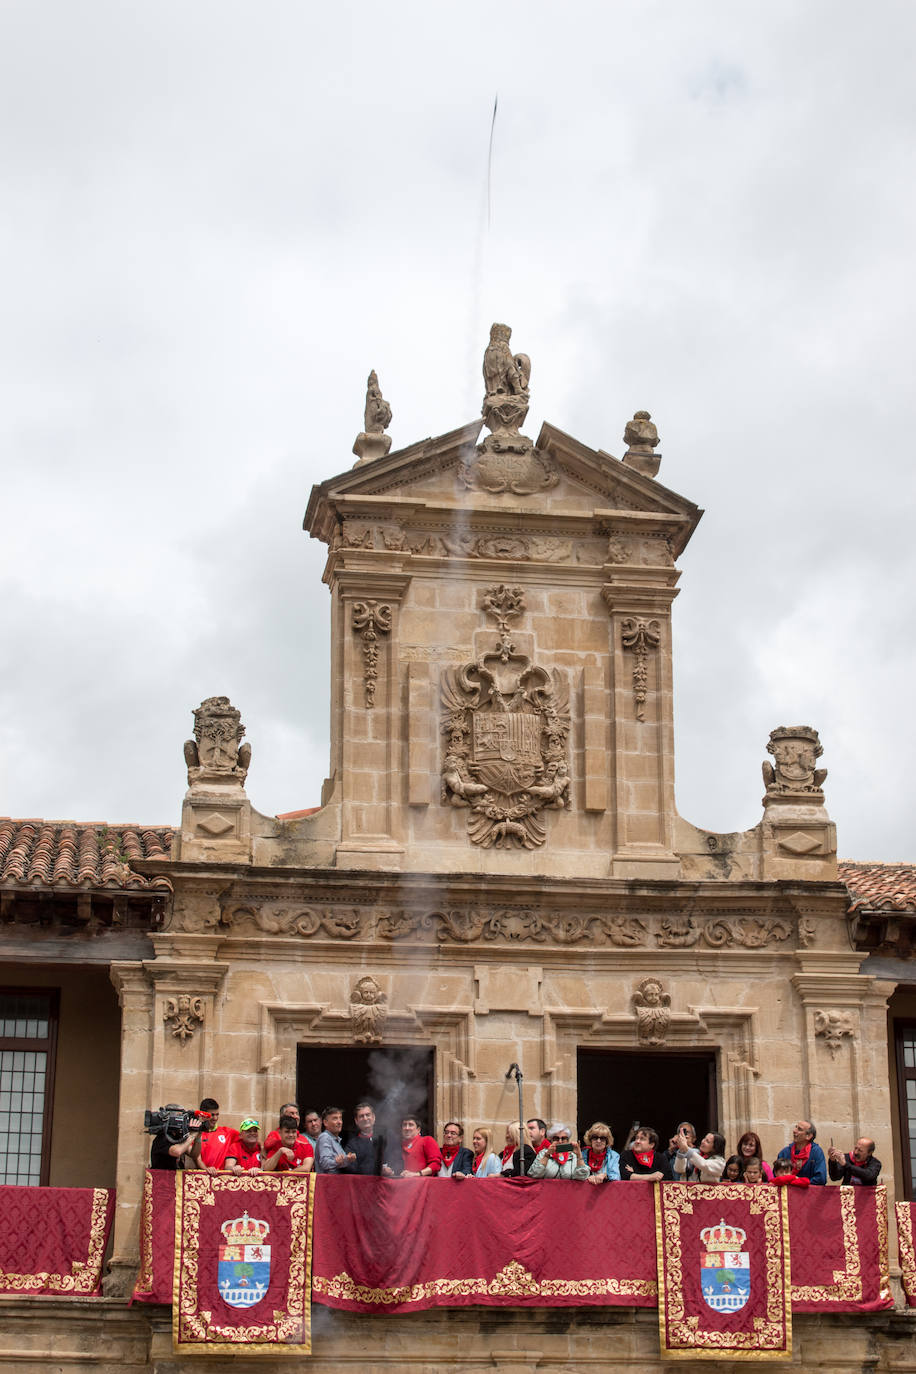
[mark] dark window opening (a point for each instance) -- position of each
(905, 1037)
(398, 1080)
(658, 1088)
(28, 1038)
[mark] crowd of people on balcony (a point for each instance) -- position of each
(317, 1141)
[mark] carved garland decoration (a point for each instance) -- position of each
(370, 619)
(639, 636)
(506, 723)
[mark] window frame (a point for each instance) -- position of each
(905, 1028)
(49, 1047)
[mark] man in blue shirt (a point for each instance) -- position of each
(805, 1155)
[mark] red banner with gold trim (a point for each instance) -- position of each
(402, 1245)
(840, 1260)
(243, 1249)
(157, 1237)
(53, 1240)
(905, 1213)
(723, 1272)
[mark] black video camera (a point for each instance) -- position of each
(177, 1122)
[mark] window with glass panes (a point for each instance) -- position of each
(906, 1084)
(28, 1031)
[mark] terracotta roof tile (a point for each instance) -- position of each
(71, 854)
(879, 886)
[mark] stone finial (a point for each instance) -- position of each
(373, 442)
(795, 750)
(642, 439)
(506, 376)
(215, 753)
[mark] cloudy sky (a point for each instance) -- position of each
(216, 217)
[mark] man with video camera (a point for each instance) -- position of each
(176, 1138)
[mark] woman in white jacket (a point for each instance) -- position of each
(702, 1164)
(562, 1160)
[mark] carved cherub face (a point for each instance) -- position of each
(652, 993)
(367, 991)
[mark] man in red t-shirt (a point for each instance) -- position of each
(273, 1139)
(418, 1157)
(215, 1140)
(292, 1152)
(245, 1155)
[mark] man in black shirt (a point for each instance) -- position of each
(367, 1144)
(858, 1167)
(174, 1147)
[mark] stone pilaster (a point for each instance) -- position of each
(135, 995)
(641, 756)
(367, 708)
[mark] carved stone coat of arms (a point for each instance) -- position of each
(506, 723)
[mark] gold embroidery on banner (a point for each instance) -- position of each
(680, 1334)
(195, 1332)
(145, 1276)
(512, 1281)
(84, 1274)
(884, 1259)
(847, 1284)
(905, 1247)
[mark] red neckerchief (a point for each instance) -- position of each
(644, 1157)
(507, 1154)
(448, 1153)
(799, 1158)
(596, 1160)
(478, 1160)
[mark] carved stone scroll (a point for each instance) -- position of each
(183, 1014)
(371, 619)
(639, 637)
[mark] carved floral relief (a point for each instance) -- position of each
(183, 1014)
(833, 1027)
(371, 619)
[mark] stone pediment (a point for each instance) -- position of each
(438, 498)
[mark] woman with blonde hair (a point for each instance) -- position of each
(603, 1161)
(486, 1163)
(515, 1150)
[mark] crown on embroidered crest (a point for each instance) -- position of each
(723, 1237)
(245, 1230)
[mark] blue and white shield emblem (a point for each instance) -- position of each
(725, 1269)
(243, 1273)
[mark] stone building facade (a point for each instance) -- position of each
(497, 873)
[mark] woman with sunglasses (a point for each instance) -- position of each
(603, 1162)
(563, 1159)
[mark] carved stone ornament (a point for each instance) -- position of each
(639, 637)
(368, 1012)
(183, 1014)
(373, 442)
(642, 438)
(795, 750)
(371, 619)
(834, 1027)
(507, 460)
(653, 1011)
(214, 755)
(506, 724)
